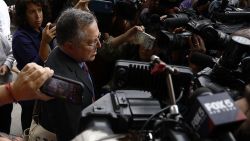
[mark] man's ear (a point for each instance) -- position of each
(68, 46)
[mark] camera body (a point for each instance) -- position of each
(214, 38)
(136, 75)
(127, 112)
(179, 19)
(124, 110)
(228, 12)
(174, 41)
(134, 103)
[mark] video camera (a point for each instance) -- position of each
(227, 12)
(230, 70)
(212, 36)
(137, 115)
(127, 110)
(225, 78)
(210, 32)
(137, 75)
(134, 114)
(179, 19)
(173, 41)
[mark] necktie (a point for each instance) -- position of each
(88, 79)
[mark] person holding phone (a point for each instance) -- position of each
(77, 35)
(31, 43)
(26, 86)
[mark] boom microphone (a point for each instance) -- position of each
(214, 113)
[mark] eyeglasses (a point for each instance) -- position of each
(94, 44)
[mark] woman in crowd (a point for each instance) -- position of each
(31, 43)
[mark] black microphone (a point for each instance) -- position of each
(176, 20)
(155, 18)
(198, 92)
(214, 113)
(201, 60)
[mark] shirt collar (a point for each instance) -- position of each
(32, 30)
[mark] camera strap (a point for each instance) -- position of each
(36, 110)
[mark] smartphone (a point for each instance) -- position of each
(145, 40)
(64, 88)
(52, 25)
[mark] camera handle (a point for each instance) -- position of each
(174, 111)
(173, 108)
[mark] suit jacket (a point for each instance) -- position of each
(59, 116)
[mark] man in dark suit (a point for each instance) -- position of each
(77, 35)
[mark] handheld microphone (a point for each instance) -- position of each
(214, 113)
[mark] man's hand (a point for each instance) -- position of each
(28, 82)
(4, 69)
(83, 5)
(130, 35)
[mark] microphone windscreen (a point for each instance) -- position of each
(201, 60)
(202, 91)
(214, 114)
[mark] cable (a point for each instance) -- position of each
(180, 96)
(151, 117)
